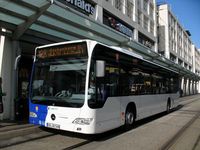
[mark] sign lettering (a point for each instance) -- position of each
(82, 5)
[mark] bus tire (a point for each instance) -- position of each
(129, 117)
(168, 106)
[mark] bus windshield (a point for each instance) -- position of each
(59, 83)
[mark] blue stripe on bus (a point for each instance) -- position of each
(37, 114)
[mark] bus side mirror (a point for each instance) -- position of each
(100, 68)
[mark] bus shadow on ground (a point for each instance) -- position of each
(121, 130)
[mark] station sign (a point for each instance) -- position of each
(80, 5)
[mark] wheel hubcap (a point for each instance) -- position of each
(130, 118)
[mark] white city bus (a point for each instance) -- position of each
(88, 87)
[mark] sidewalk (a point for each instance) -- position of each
(185, 98)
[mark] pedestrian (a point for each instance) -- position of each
(1, 95)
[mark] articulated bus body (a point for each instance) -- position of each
(88, 87)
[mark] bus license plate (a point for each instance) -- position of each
(52, 125)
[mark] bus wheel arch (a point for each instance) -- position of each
(130, 115)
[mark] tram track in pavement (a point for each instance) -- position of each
(47, 133)
(26, 138)
(10, 124)
(178, 135)
(87, 139)
(142, 122)
(77, 145)
(174, 139)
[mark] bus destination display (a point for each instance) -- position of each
(69, 50)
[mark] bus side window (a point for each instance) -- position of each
(124, 83)
(108, 86)
(111, 81)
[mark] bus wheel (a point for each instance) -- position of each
(129, 118)
(168, 106)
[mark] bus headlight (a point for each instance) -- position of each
(83, 121)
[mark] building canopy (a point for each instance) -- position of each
(46, 21)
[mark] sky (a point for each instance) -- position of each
(188, 14)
